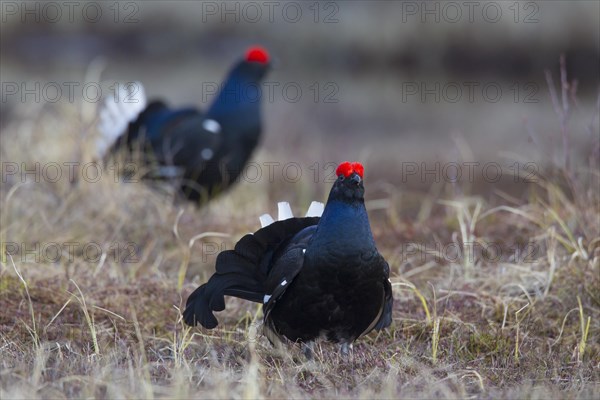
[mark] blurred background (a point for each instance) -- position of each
(447, 105)
(386, 82)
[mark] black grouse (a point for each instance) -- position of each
(317, 277)
(207, 151)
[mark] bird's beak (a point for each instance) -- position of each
(274, 63)
(355, 178)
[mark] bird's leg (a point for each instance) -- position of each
(308, 350)
(345, 349)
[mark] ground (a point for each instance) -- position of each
(496, 291)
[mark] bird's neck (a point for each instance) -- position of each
(345, 226)
(237, 105)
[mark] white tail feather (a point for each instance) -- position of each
(266, 220)
(117, 111)
(316, 209)
(284, 211)
(166, 172)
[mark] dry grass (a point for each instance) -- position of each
(525, 324)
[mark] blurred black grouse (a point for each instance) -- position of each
(316, 276)
(206, 151)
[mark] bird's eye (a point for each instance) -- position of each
(342, 177)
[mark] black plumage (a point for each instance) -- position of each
(316, 277)
(206, 151)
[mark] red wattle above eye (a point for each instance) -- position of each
(358, 168)
(347, 168)
(344, 168)
(257, 54)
